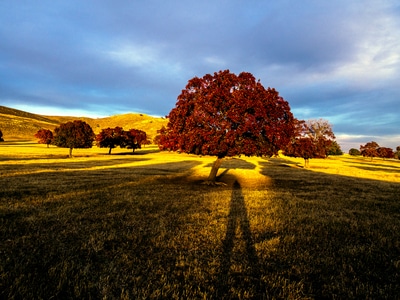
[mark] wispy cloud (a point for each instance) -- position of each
(338, 60)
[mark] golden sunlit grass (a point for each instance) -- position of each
(142, 226)
(355, 166)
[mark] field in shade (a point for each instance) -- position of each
(142, 225)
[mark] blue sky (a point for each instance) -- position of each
(338, 60)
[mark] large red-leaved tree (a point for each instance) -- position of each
(226, 115)
(76, 134)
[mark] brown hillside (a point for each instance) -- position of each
(17, 124)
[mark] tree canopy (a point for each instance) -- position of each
(45, 136)
(113, 137)
(354, 152)
(134, 139)
(76, 134)
(397, 153)
(314, 139)
(335, 149)
(370, 149)
(385, 152)
(226, 115)
(110, 138)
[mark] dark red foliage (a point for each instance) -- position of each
(45, 136)
(226, 115)
(369, 149)
(76, 134)
(314, 139)
(385, 152)
(110, 138)
(134, 139)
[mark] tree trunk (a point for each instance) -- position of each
(70, 152)
(109, 151)
(306, 162)
(214, 170)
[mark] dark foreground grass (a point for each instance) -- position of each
(154, 231)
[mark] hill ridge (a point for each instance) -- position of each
(17, 124)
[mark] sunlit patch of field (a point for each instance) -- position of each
(354, 166)
(135, 226)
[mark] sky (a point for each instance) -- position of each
(337, 60)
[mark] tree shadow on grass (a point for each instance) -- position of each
(234, 163)
(238, 232)
(96, 233)
(137, 152)
(335, 233)
(378, 169)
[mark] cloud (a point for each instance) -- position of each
(338, 60)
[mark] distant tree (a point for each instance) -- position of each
(354, 152)
(110, 138)
(335, 149)
(314, 139)
(384, 152)
(134, 139)
(226, 115)
(397, 153)
(301, 147)
(76, 134)
(45, 136)
(369, 149)
(1, 136)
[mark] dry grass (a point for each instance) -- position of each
(17, 124)
(142, 226)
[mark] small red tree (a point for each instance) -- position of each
(369, 149)
(76, 134)
(45, 136)
(314, 139)
(226, 115)
(110, 138)
(301, 147)
(134, 139)
(384, 152)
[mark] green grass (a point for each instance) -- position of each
(143, 226)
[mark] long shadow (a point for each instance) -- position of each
(377, 169)
(234, 163)
(86, 220)
(374, 163)
(331, 215)
(237, 218)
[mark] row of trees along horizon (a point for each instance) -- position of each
(222, 115)
(79, 134)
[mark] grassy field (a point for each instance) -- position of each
(142, 226)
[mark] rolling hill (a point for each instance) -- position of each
(20, 125)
